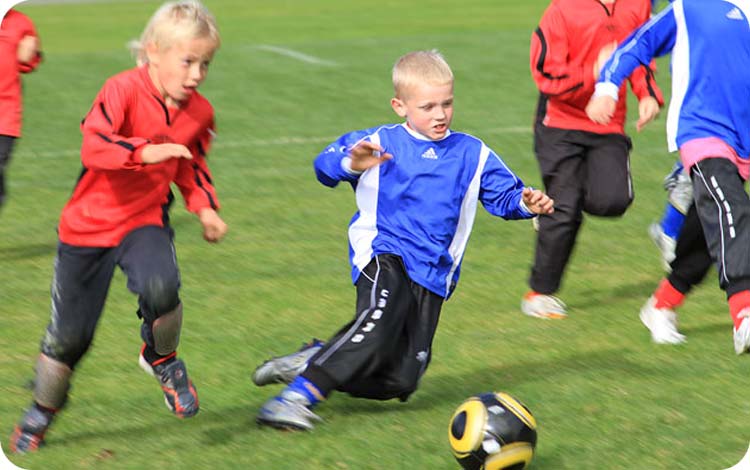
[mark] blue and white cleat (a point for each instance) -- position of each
(288, 411)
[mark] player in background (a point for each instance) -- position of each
(679, 199)
(20, 52)
(585, 167)
(708, 122)
(148, 128)
(417, 185)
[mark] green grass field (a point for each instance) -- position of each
(604, 396)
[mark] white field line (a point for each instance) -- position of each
(296, 55)
(27, 151)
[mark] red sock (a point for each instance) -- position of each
(737, 303)
(667, 296)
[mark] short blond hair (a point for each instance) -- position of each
(420, 67)
(173, 22)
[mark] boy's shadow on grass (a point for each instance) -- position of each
(437, 390)
(19, 252)
(216, 427)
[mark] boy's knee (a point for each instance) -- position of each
(608, 207)
(65, 347)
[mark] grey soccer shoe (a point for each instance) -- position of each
(284, 369)
(180, 395)
(28, 435)
(288, 411)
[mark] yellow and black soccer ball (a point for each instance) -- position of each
(492, 431)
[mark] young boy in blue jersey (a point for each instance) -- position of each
(417, 185)
(708, 122)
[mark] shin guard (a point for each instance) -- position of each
(166, 331)
(52, 382)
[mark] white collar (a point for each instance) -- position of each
(419, 136)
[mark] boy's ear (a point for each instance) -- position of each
(152, 52)
(399, 107)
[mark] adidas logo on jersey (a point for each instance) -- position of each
(430, 154)
(735, 14)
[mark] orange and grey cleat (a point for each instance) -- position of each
(179, 392)
(28, 435)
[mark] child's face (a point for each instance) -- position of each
(428, 109)
(179, 69)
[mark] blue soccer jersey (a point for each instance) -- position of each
(421, 204)
(710, 45)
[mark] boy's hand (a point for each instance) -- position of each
(28, 47)
(366, 155)
(157, 153)
(537, 201)
(648, 109)
(601, 109)
(214, 228)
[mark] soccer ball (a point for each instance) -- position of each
(492, 431)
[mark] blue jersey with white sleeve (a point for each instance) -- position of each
(710, 45)
(421, 204)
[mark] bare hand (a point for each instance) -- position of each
(537, 201)
(648, 109)
(157, 153)
(604, 54)
(601, 109)
(28, 48)
(366, 155)
(214, 228)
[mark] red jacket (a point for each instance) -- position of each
(563, 50)
(14, 27)
(116, 193)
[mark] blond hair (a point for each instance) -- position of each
(173, 22)
(420, 67)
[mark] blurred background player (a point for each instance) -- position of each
(148, 128)
(585, 167)
(20, 52)
(708, 122)
(417, 185)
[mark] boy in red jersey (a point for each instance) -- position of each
(19, 53)
(585, 167)
(147, 128)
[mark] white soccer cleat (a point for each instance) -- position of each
(662, 323)
(666, 245)
(544, 306)
(284, 369)
(742, 334)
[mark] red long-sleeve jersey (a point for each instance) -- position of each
(14, 27)
(564, 49)
(116, 193)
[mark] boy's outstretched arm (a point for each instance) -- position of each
(653, 39)
(537, 202)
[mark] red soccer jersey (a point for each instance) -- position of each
(14, 27)
(563, 50)
(116, 193)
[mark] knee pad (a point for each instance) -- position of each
(166, 331)
(160, 296)
(52, 382)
